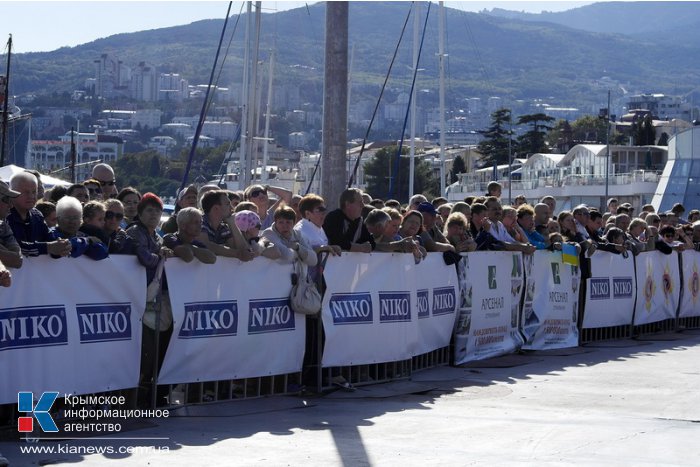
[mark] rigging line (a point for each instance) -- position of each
(408, 107)
(475, 48)
(223, 61)
(313, 175)
(200, 124)
(379, 100)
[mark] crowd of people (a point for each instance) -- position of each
(96, 219)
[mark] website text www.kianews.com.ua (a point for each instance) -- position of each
(65, 448)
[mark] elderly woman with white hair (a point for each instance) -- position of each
(184, 242)
(69, 214)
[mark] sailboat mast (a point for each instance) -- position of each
(266, 140)
(412, 169)
(441, 28)
(252, 98)
(243, 167)
(6, 99)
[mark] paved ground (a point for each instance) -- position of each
(627, 403)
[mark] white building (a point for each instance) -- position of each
(662, 107)
(146, 118)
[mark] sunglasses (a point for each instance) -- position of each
(256, 193)
(114, 215)
(321, 209)
(107, 183)
(95, 191)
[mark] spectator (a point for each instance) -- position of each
(40, 191)
(290, 244)
(570, 234)
(258, 195)
(186, 198)
(551, 203)
(498, 230)
(48, 210)
(116, 236)
(594, 225)
(248, 223)
(444, 211)
(377, 203)
(480, 229)
(510, 222)
(366, 198)
(313, 212)
(526, 221)
(519, 201)
(375, 223)
(678, 209)
(392, 203)
(457, 233)
(294, 204)
(94, 221)
(235, 197)
(104, 174)
(219, 231)
(581, 216)
(542, 214)
(184, 241)
(27, 223)
(204, 190)
(612, 205)
(79, 192)
(5, 281)
(414, 201)
(130, 198)
(246, 206)
(344, 226)
(411, 227)
(391, 229)
(463, 208)
(94, 189)
(57, 192)
(696, 234)
(10, 252)
(494, 189)
(693, 215)
(69, 213)
(430, 226)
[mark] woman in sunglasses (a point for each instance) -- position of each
(313, 212)
(114, 215)
(258, 194)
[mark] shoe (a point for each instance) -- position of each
(342, 383)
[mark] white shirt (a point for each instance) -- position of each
(313, 234)
(499, 232)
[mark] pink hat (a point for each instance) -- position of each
(246, 220)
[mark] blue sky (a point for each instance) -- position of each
(48, 25)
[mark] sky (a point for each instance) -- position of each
(38, 26)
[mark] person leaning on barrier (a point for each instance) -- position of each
(290, 244)
(344, 226)
(142, 236)
(432, 237)
(5, 276)
(457, 233)
(10, 251)
(542, 214)
(510, 222)
(571, 235)
(219, 231)
(376, 222)
(116, 236)
(526, 220)
(184, 241)
(130, 198)
(313, 211)
(27, 223)
(498, 230)
(94, 221)
(69, 213)
(391, 228)
(186, 198)
(248, 222)
(411, 227)
(551, 203)
(480, 227)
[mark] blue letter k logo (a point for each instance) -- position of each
(25, 403)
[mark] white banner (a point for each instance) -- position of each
(550, 309)
(383, 307)
(658, 287)
(690, 296)
(71, 325)
(610, 291)
(232, 320)
(491, 285)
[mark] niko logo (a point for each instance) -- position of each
(40, 411)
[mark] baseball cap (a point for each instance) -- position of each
(427, 208)
(6, 191)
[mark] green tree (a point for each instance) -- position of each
(532, 141)
(458, 167)
(561, 136)
(589, 129)
(494, 147)
(382, 167)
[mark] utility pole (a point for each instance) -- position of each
(412, 167)
(335, 96)
(441, 51)
(607, 150)
(6, 97)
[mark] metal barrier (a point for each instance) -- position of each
(587, 336)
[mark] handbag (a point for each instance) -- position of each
(153, 292)
(305, 297)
